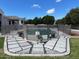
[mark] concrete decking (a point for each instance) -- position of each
(17, 46)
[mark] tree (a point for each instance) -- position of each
(35, 20)
(48, 19)
(44, 20)
(40, 20)
(29, 21)
(60, 21)
(72, 17)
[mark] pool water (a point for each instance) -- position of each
(42, 31)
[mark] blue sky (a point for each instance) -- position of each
(39, 8)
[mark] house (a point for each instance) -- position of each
(8, 23)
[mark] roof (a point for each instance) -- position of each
(1, 11)
(12, 17)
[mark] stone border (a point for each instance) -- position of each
(12, 54)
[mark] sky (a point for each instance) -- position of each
(37, 8)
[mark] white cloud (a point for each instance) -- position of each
(58, 0)
(50, 11)
(36, 6)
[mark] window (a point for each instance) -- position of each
(9, 22)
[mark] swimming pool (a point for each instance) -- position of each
(33, 46)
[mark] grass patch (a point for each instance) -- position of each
(73, 55)
(1, 42)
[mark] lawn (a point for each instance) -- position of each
(1, 42)
(73, 55)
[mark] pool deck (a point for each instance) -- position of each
(17, 46)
